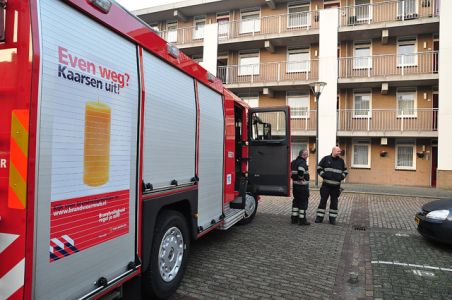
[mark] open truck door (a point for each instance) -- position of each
(269, 151)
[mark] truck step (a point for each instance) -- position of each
(232, 216)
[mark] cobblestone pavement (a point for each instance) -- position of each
(375, 238)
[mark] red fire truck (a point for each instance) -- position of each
(117, 150)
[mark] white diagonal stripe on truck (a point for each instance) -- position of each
(13, 280)
(6, 240)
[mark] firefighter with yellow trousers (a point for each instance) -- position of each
(300, 184)
(333, 170)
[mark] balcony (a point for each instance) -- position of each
(418, 66)
(388, 122)
(269, 74)
(303, 124)
(400, 18)
(388, 11)
(269, 27)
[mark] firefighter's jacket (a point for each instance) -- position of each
(332, 169)
(300, 173)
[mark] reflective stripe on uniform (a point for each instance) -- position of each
(301, 169)
(333, 170)
(320, 214)
(301, 182)
(295, 172)
(332, 181)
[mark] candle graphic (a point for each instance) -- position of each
(97, 144)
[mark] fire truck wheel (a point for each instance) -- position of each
(250, 209)
(169, 255)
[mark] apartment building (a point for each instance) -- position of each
(386, 96)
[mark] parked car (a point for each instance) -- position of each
(434, 221)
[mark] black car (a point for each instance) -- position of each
(435, 221)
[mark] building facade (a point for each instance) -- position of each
(379, 59)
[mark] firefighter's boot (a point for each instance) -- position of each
(318, 219)
(333, 221)
(303, 221)
(294, 217)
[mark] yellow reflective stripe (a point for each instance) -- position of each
(17, 184)
(19, 134)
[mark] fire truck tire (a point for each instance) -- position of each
(169, 255)
(250, 209)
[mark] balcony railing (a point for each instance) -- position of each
(385, 120)
(278, 24)
(307, 121)
(387, 65)
(269, 72)
(388, 11)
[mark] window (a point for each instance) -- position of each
(298, 15)
(248, 63)
(363, 10)
(296, 147)
(299, 105)
(406, 102)
(253, 101)
(155, 27)
(361, 154)
(197, 58)
(223, 25)
(268, 126)
(298, 60)
(362, 55)
(406, 52)
(171, 31)
(406, 9)
(405, 155)
(250, 21)
(198, 28)
(362, 104)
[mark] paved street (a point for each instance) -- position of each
(375, 237)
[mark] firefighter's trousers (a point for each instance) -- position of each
(332, 192)
(300, 201)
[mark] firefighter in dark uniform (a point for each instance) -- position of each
(300, 177)
(333, 170)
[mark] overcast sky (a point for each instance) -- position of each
(137, 4)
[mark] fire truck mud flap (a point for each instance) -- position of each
(169, 254)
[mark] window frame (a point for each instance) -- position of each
(361, 93)
(402, 41)
(299, 4)
(405, 143)
(301, 96)
(247, 99)
(405, 91)
(221, 16)
(198, 34)
(362, 142)
(415, 13)
(248, 12)
(174, 31)
(307, 62)
(369, 12)
(361, 44)
(240, 66)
